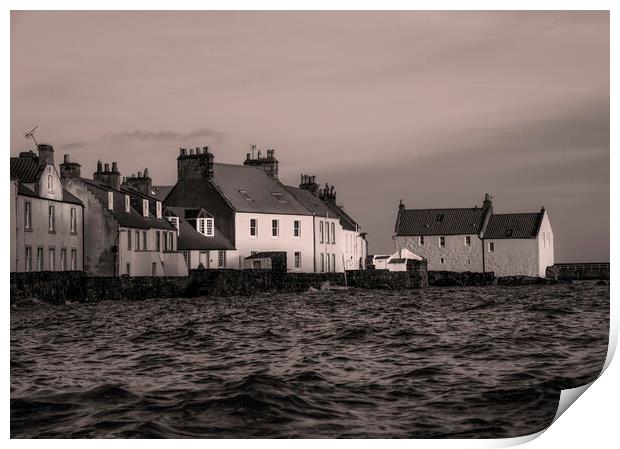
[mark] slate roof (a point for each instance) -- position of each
(190, 239)
(132, 219)
(398, 261)
(25, 168)
(161, 192)
(265, 254)
(440, 221)
(231, 179)
(513, 226)
(311, 202)
(345, 220)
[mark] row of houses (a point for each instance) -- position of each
(216, 216)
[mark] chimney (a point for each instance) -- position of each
(143, 183)
(328, 194)
(269, 163)
(69, 170)
(487, 203)
(401, 206)
(111, 179)
(307, 183)
(46, 154)
(195, 166)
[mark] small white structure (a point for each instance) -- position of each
(398, 260)
(380, 261)
(477, 239)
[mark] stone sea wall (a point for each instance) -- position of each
(460, 279)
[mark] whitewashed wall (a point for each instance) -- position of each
(512, 257)
(456, 255)
(546, 256)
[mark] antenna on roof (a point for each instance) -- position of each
(30, 135)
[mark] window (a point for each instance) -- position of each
(205, 226)
(28, 215)
(441, 260)
(253, 227)
(39, 259)
(158, 209)
(144, 240)
(73, 221)
(174, 221)
(110, 200)
(128, 269)
(28, 260)
(63, 259)
(50, 181)
(328, 264)
(154, 269)
(51, 218)
(421, 240)
(333, 233)
(256, 264)
(145, 208)
(157, 241)
(275, 228)
(245, 195)
(52, 259)
(326, 232)
(164, 236)
(129, 240)
(221, 259)
(296, 228)
(297, 259)
(468, 240)
(278, 196)
(333, 262)
(321, 230)
(491, 247)
(322, 262)
(171, 241)
(74, 265)
(127, 204)
(137, 240)
(442, 241)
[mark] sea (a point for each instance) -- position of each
(468, 362)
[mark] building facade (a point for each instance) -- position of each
(124, 228)
(478, 240)
(47, 232)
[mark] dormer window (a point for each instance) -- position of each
(145, 208)
(158, 209)
(245, 195)
(174, 221)
(278, 196)
(127, 204)
(205, 226)
(111, 200)
(50, 180)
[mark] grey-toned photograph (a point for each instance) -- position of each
(306, 224)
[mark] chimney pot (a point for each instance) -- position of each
(106, 167)
(114, 166)
(191, 151)
(205, 150)
(139, 174)
(66, 159)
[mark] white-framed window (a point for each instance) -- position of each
(145, 240)
(334, 233)
(137, 240)
(63, 259)
(73, 220)
(174, 221)
(327, 232)
(110, 200)
(442, 241)
(421, 240)
(51, 218)
(158, 209)
(321, 230)
(253, 227)
(129, 240)
(296, 228)
(51, 254)
(333, 262)
(39, 259)
(205, 226)
(278, 196)
(328, 264)
(28, 215)
(127, 204)
(221, 259)
(50, 179)
(322, 262)
(28, 259)
(297, 259)
(171, 241)
(245, 195)
(145, 208)
(468, 240)
(275, 228)
(491, 247)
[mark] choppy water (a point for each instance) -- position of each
(446, 362)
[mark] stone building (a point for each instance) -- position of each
(477, 239)
(46, 220)
(124, 227)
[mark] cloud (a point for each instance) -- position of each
(139, 135)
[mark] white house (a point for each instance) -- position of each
(477, 239)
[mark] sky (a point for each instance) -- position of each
(434, 108)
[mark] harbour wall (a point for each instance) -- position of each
(578, 271)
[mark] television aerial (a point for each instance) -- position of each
(30, 135)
